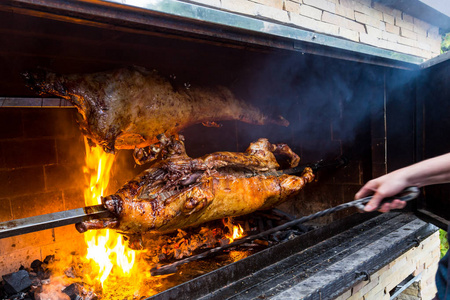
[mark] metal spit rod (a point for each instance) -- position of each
(406, 195)
(32, 224)
(52, 220)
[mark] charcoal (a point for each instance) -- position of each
(260, 225)
(178, 254)
(224, 242)
(161, 257)
(35, 288)
(246, 226)
(249, 245)
(16, 282)
(45, 281)
(77, 291)
(20, 296)
(91, 296)
(36, 264)
(261, 242)
(48, 259)
(283, 214)
(43, 274)
(35, 280)
(302, 228)
(290, 235)
(74, 291)
(275, 237)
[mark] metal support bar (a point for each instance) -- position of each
(35, 102)
(405, 286)
(37, 223)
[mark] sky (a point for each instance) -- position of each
(441, 5)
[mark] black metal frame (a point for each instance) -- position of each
(432, 126)
(280, 267)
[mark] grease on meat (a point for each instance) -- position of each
(179, 192)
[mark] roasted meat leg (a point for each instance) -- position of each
(179, 192)
(129, 107)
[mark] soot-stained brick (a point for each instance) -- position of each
(10, 123)
(5, 210)
(14, 182)
(37, 204)
(49, 122)
(63, 176)
(23, 153)
(70, 150)
(73, 198)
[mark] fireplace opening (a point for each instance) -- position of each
(366, 109)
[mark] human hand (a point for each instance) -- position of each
(382, 187)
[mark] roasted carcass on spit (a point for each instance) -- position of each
(129, 107)
(179, 192)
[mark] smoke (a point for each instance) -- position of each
(331, 104)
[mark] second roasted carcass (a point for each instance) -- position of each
(129, 107)
(179, 191)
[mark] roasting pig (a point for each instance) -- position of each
(129, 107)
(179, 192)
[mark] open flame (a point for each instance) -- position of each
(236, 231)
(108, 268)
(106, 249)
(110, 259)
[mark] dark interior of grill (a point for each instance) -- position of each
(330, 109)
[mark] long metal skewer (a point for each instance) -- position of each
(407, 195)
(52, 220)
(32, 224)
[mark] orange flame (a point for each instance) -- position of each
(236, 232)
(105, 248)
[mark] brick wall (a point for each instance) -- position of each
(362, 21)
(41, 159)
(419, 260)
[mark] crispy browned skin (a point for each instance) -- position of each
(129, 107)
(217, 196)
(179, 192)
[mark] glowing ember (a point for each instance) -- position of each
(106, 248)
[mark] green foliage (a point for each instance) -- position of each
(444, 242)
(445, 45)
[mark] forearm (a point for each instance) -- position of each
(431, 171)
